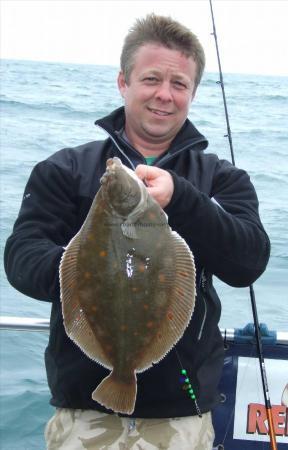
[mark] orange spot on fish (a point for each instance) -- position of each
(170, 316)
(123, 328)
(103, 253)
(161, 277)
(134, 289)
(108, 348)
(150, 324)
(159, 336)
(151, 216)
(94, 308)
(71, 284)
(183, 274)
(141, 268)
(87, 275)
(145, 306)
(136, 333)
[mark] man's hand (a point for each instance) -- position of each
(159, 183)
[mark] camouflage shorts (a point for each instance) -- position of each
(79, 429)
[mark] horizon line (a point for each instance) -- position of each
(207, 71)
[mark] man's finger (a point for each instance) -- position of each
(145, 172)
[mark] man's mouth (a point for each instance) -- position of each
(160, 112)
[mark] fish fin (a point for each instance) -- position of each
(180, 308)
(75, 322)
(128, 227)
(116, 394)
(129, 230)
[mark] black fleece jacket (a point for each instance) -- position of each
(214, 208)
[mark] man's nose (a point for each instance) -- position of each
(164, 92)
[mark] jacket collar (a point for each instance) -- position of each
(187, 137)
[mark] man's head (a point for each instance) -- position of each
(166, 32)
(161, 66)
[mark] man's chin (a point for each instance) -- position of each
(158, 134)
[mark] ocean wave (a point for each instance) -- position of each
(276, 97)
(259, 99)
(22, 433)
(255, 133)
(60, 107)
(210, 81)
(270, 178)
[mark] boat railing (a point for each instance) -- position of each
(24, 323)
(229, 334)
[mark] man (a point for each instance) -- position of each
(211, 204)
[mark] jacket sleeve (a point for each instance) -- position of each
(224, 232)
(45, 224)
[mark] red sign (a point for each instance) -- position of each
(257, 422)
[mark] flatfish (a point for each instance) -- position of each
(127, 285)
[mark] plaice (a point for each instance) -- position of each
(127, 285)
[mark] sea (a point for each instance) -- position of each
(48, 106)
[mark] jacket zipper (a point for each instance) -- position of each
(161, 162)
(169, 157)
(118, 147)
(203, 281)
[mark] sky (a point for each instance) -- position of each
(252, 34)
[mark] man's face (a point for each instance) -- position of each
(158, 95)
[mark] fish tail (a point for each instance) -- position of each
(116, 394)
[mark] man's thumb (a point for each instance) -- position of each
(145, 172)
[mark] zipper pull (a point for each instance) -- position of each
(203, 281)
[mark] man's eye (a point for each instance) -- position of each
(180, 85)
(151, 79)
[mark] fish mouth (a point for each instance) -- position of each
(111, 166)
(112, 163)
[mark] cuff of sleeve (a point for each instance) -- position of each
(176, 193)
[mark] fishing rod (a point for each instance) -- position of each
(251, 289)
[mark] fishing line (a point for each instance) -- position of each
(186, 384)
(252, 295)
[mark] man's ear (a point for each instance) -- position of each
(121, 84)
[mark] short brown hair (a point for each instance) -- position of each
(164, 31)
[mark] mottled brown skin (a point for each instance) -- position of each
(124, 284)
